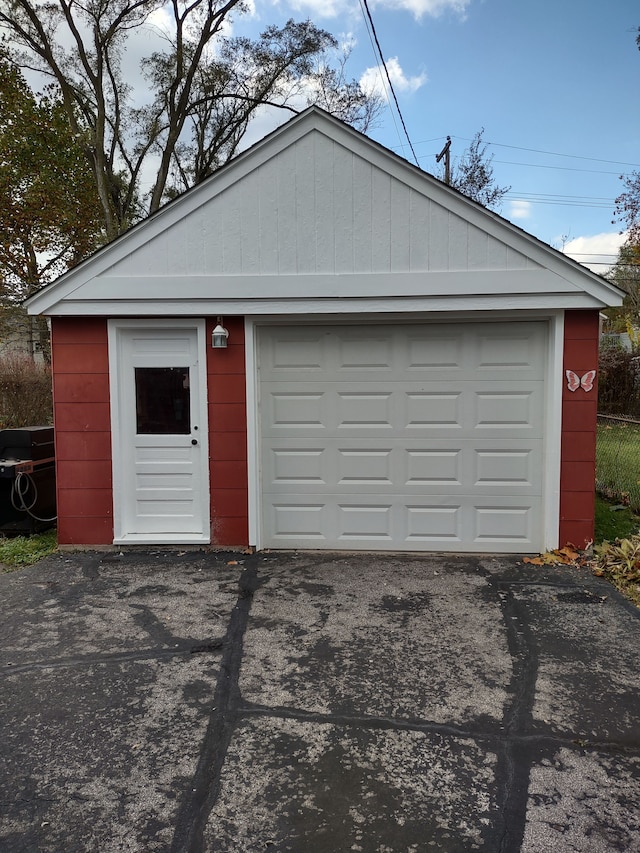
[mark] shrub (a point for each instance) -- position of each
(25, 392)
(618, 381)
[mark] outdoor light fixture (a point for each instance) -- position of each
(219, 336)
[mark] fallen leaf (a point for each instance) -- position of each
(568, 552)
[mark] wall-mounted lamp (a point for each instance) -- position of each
(219, 336)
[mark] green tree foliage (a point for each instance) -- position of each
(626, 272)
(627, 208)
(617, 381)
(626, 275)
(49, 211)
(473, 175)
(203, 87)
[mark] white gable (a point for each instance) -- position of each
(317, 217)
(317, 207)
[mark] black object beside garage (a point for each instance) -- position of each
(27, 479)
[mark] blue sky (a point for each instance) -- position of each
(559, 76)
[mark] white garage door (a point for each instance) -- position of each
(404, 437)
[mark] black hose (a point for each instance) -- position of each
(18, 493)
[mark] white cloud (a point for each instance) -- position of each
(597, 252)
(317, 9)
(420, 8)
(372, 79)
(519, 209)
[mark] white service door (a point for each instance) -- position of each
(162, 489)
(408, 437)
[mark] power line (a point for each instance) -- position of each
(384, 88)
(386, 71)
(560, 168)
(557, 154)
(599, 205)
(538, 151)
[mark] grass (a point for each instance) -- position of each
(618, 461)
(19, 551)
(617, 548)
(614, 521)
(617, 537)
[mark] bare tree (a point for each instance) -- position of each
(473, 175)
(204, 87)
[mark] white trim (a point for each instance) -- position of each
(325, 286)
(161, 539)
(114, 326)
(553, 431)
(550, 526)
(113, 339)
(253, 434)
(186, 307)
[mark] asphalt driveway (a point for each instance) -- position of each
(165, 701)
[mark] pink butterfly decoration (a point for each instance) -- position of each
(574, 381)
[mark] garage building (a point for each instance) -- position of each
(395, 375)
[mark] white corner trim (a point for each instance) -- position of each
(114, 326)
(552, 402)
(253, 434)
(553, 432)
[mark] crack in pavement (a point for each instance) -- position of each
(182, 648)
(514, 763)
(492, 739)
(516, 748)
(205, 784)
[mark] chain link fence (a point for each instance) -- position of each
(618, 459)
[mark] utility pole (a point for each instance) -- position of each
(447, 160)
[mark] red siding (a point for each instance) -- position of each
(579, 410)
(226, 373)
(83, 431)
(83, 437)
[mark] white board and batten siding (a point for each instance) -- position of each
(319, 218)
(406, 437)
(289, 219)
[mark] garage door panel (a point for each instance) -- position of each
(334, 408)
(408, 437)
(296, 521)
(296, 466)
(415, 466)
(364, 410)
(508, 409)
(365, 352)
(467, 351)
(434, 525)
(364, 467)
(500, 351)
(296, 410)
(431, 410)
(443, 352)
(442, 523)
(514, 468)
(508, 523)
(295, 352)
(362, 521)
(432, 467)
